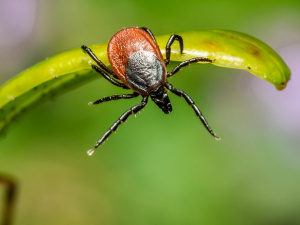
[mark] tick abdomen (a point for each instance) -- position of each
(144, 71)
(124, 44)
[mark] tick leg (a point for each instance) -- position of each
(168, 47)
(122, 119)
(188, 62)
(9, 200)
(181, 93)
(114, 97)
(149, 32)
(107, 77)
(94, 57)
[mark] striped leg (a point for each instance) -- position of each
(168, 47)
(122, 119)
(110, 79)
(94, 57)
(187, 63)
(181, 93)
(114, 97)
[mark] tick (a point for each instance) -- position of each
(137, 64)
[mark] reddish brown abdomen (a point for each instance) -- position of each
(125, 43)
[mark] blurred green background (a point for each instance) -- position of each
(157, 169)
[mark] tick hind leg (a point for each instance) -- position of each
(9, 199)
(181, 93)
(122, 119)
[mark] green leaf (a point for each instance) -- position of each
(67, 70)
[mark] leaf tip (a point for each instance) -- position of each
(281, 86)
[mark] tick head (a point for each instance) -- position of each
(160, 97)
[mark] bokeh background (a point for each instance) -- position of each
(157, 169)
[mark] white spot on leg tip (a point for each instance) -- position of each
(91, 151)
(217, 138)
(90, 103)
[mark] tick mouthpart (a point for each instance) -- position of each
(161, 99)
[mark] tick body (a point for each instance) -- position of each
(136, 60)
(137, 64)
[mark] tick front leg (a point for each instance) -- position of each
(9, 199)
(115, 97)
(168, 47)
(187, 63)
(181, 93)
(121, 120)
